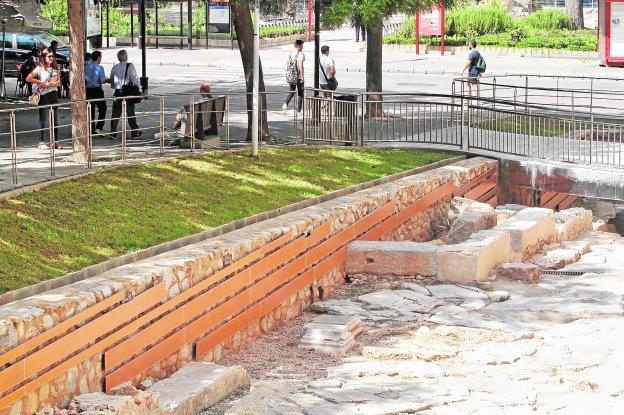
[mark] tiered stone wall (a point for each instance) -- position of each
(180, 270)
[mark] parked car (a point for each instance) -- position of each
(19, 45)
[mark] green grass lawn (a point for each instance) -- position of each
(81, 222)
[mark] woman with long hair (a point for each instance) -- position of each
(47, 79)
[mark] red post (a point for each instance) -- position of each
(416, 29)
(441, 14)
(310, 14)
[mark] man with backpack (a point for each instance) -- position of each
(328, 70)
(475, 67)
(294, 75)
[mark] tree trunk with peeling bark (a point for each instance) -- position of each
(80, 128)
(241, 16)
(575, 10)
(374, 62)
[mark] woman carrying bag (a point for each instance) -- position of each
(46, 78)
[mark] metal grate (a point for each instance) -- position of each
(562, 273)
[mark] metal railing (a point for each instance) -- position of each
(475, 125)
(168, 125)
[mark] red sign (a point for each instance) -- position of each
(431, 23)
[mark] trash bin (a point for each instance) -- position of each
(346, 116)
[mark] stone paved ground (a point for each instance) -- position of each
(513, 348)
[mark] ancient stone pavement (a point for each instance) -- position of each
(504, 347)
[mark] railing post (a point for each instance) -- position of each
(362, 114)
(227, 122)
(463, 142)
(494, 93)
(51, 123)
(469, 111)
(124, 130)
(306, 115)
(162, 126)
(89, 134)
(13, 147)
(191, 123)
(526, 94)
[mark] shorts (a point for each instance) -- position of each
(472, 79)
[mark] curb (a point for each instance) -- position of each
(96, 269)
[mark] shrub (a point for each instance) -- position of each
(56, 10)
(476, 20)
(547, 19)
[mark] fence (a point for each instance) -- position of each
(496, 127)
(168, 126)
(511, 116)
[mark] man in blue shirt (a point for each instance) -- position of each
(473, 72)
(94, 78)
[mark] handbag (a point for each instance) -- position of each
(34, 98)
(130, 90)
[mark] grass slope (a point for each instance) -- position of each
(71, 225)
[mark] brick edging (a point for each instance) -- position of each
(96, 269)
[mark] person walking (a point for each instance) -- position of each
(328, 69)
(95, 77)
(359, 28)
(122, 74)
(294, 75)
(46, 77)
(473, 68)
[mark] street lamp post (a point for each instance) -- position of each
(3, 85)
(256, 82)
(143, 44)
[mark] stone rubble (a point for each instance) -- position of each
(331, 333)
(188, 391)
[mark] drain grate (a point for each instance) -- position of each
(562, 273)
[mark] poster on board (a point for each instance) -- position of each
(93, 17)
(220, 18)
(430, 22)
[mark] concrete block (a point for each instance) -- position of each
(197, 386)
(503, 214)
(572, 223)
(528, 273)
(529, 230)
(474, 259)
(391, 258)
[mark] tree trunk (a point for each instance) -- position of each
(80, 128)
(244, 34)
(374, 62)
(575, 10)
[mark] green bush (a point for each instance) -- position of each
(56, 10)
(470, 21)
(545, 29)
(547, 19)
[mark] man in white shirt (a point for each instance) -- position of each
(328, 70)
(123, 73)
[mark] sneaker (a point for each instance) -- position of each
(112, 136)
(99, 132)
(42, 146)
(136, 134)
(284, 109)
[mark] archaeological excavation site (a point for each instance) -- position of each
(470, 286)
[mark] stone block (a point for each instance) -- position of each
(556, 259)
(197, 386)
(469, 223)
(331, 333)
(572, 223)
(474, 259)
(503, 214)
(391, 258)
(529, 230)
(518, 272)
(460, 205)
(511, 206)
